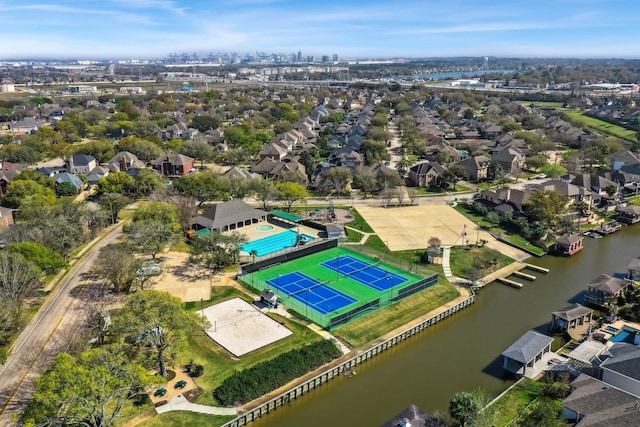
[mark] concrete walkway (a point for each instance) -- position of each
(446, 267)
(180, 403)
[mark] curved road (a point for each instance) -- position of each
(52, 330)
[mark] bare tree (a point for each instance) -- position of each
(186, 208)
(19, 279)
(117, 265)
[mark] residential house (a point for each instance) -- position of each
(81, 163)
(173, 164)
(426, 174)
(96, 174)
(238, 173)
(629, 214)
(351, 159)
(622, 368)
(594, 403)
(510, 159)
(603, 287)
(125, 161)
(622, 158)
(574, 192)
(477, 167)
(503, 197)
(598, 185)
(26, 125)
(70, 178)
(525, 352)
(6, 176)
(274, 151)
(6, 217)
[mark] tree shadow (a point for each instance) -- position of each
(190, 272)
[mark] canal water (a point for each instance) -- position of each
(462, 353)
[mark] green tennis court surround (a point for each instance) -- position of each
(336, 285)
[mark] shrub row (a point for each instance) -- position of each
(267, 376)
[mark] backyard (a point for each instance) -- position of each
(580, 119)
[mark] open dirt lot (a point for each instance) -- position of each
(241, 327)
(410, 227)
(185, 283)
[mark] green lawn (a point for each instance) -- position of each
(580, 119)
(186, 419)
(516, 239)
(634, 200)
(375, 325)
(511, 403)
(353, 235)
(358, 222)
(487, 259)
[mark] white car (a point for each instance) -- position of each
(542, 176)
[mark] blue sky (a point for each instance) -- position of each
(352, 29)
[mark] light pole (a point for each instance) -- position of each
(386, 242)
(390, 279)
(202, 306)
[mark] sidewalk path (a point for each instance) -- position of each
(180, 403)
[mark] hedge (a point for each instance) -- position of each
(249, 384)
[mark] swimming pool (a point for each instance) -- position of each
(627, 335)
(274, 243)
(611, 329)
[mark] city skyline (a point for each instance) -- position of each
(153, 29)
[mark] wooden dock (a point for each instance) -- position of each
(524, 275)
(512, 283)
(536, 268)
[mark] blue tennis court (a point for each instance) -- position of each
(311, 292)
(368, 274)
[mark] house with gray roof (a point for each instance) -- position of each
(603, 287)
(477, 167)
(570, 317)
(594, 403)
(525, 352)
(426, 174)
(125, 161)
(70, 178)
(622, 368)
(228, 216)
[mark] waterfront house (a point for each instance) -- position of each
(622, 368)
(570, 317)
(603, 287)
(525, 352)
(568, 244)
(595, 403)
(628, 214)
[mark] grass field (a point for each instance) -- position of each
(485, 259)
(186, 419)
(365, 329)
(511, 403)
(516, 239)
(311, 266)
(580, 119)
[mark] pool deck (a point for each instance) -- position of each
(253, 233)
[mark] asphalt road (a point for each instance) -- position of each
(51, 331)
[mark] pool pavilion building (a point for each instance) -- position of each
(228, 216)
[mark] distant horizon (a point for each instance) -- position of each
(154, 29)
(202, 59)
